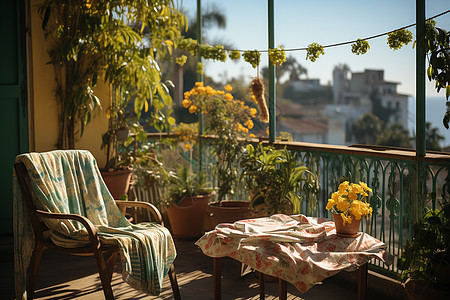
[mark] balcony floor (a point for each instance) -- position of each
(68, 277)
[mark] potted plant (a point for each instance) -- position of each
(348, 205)
(227, 122)
(425, 261)
(274, 177)
(189, 195)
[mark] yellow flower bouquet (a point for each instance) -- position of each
(350, 201)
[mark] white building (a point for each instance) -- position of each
(359, 94)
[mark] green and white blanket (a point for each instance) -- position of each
(70, 182)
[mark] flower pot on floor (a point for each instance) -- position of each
(187, 219)
(117, 181)
(347, 230)
(227, 212)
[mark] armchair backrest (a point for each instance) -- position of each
(68, 181)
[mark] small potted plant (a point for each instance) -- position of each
(348, 205)
(425, 261)
(274, 178)
(189, 194)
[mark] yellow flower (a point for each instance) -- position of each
(193, 109)
(365, 187)
(242, 128)
(210, 90)
(249, 124)
(199, 84)
(343, 187)
(352, 195)
(342, 205)
(330, 204)
(228, 88)
(349, 201)
(251, 135)
(346, 219)
(186, 103)
(253, 112)
(188, 146)
(228, 96)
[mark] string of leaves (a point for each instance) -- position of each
(396, 39)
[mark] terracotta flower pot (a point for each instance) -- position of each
(227, 212)
(187, 219)
(117, 181)
(347, 230)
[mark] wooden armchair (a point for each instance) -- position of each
(95, 247)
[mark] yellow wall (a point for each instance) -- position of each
(43, 107)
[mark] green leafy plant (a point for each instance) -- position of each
(113, 41)
(437, 47)
(275, 177)
(429, 247)
(184, 183)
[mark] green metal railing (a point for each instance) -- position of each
(403, 186)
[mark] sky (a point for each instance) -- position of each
(299, 23)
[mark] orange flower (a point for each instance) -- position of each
(193, 109)
(228, 88)
(186, 103)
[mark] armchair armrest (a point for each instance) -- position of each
(148, 206)
(92, 231)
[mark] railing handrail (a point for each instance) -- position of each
(386, 152)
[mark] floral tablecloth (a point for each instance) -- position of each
(300, 250)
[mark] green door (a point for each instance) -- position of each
(13, 102)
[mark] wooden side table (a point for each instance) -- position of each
(282, 287)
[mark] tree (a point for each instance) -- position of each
(383, 113)
(366, 129)
(395, 136)
(433, 138)
(291, 67)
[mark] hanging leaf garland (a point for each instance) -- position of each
(399, 38)
(313, 51)
(253, 57)
(360, 47)
(234, 54)
(396, 40)
(277, 56)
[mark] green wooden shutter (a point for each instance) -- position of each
(13, 102)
